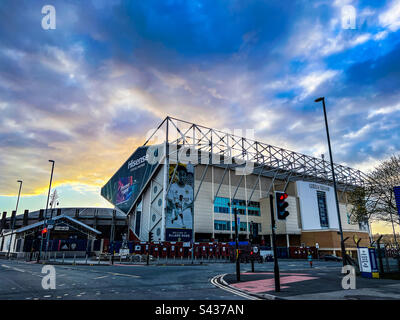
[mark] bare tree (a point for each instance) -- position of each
(376, 200)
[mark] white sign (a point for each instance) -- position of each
(137, 248)
(61, 228)
(124, 252)
(317, 245)
(255, 249)
(364, 260)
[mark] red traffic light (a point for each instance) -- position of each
(44, 230)
(283, 196)
(251, 253)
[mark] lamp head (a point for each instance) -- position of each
(51, 161)
(20, 181)
(319, 99)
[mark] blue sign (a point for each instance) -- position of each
(397, 197)
(241, 243)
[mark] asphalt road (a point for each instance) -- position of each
(23, 281)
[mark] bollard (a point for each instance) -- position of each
(86, 259)
(63, 258)
(74, 259)
(98, 262)
(120, 259)
(55, 256)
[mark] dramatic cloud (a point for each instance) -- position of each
(86, 93)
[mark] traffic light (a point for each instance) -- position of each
(255, 230)
(150, 236)
(44, 231)
(281, 205)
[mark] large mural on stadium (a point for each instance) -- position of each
(125, 185)
(179, 215)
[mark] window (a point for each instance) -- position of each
(323, 212)
(137, 225)
(258, 226)
(242, 226)
(363, 225)
(221, 205)
(222, 225)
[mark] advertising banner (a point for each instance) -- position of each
(396, 191)
(125, 185)
(179, 215)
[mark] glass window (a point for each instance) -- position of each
(222, 225)
(323, 212)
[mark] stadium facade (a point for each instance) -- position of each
(185, 181)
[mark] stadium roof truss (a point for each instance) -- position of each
(268, 160)
(232, 151)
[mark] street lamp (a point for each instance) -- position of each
(334, 181)
(47, 205)
(13, 220)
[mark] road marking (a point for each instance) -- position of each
(124, 275)
(264, 285)
(101, 277)
(13, 268)
(214, 281)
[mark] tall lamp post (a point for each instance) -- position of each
(334, 181)
(13, 220)
(47, 205)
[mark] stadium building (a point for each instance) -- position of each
(78, 231)
(185, 181)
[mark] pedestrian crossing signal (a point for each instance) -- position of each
(281, 205)
(44, 230)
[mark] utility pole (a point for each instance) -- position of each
(273, 226)
(12, 221)
(334, 182)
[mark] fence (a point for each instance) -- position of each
(388, 260)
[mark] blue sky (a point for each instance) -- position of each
(86, 93)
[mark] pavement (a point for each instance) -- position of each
(317, 283)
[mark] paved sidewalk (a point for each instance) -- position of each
(313, 284)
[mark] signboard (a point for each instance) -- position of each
(125, 185)
(396, 191)
(123, 252)
(61, 228)
(179, 213)
(367, 262)
(364, 260)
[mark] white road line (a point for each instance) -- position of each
(124, 275)
(13, 268)
(101, 277)
(239, 293)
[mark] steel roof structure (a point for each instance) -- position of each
(268, 160)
